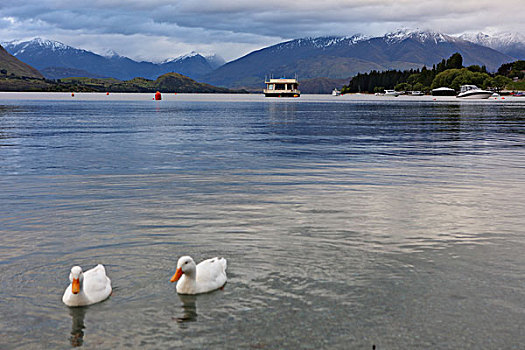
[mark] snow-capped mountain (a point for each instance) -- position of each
(181, 58)
(192, 64)
(57, 60)
(60, 59)
(343, 57)
(18, 47)
(512, 44)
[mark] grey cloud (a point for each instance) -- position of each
(243, 25)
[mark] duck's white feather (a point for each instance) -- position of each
(95, 286)
(207, 276)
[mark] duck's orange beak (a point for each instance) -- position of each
(177, 275)
(75, 286)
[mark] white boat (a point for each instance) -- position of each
(282, 88)
(336, 92)
(392, 93)
(417, 93)
(472, 91)
(443, 91)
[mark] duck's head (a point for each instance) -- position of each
(184, 265)
(76, 277)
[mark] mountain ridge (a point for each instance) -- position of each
(44, 54)
(328, 57)
(342, 57)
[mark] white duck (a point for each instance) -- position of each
(195, 279)
(88, 287)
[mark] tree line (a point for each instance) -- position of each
(447, 73)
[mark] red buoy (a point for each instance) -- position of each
(107, 93)
(158, 96)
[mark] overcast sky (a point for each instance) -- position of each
(160, 29)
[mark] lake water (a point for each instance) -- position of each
(347, 221)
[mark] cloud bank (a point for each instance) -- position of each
(159, 29)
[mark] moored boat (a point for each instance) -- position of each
(392, 93)
(282, 88)
(472, 91)
(336, 92)
(443, 91)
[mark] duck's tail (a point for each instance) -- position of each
(223, 263)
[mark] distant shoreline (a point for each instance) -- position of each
(226, 97)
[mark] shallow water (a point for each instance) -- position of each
(347, 222)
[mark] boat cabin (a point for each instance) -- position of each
(282, 88)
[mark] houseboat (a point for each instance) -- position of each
(282, 88)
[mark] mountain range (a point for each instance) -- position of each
(334, 59)
(344, 57)
(56, 60)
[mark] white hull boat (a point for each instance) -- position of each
(392, 93)
(473, 92)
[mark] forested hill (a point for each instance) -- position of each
(170, 82)
(448, 73)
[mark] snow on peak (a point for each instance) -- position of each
(354, 39)
(182, 57)
(495, 40)
(110, 53)
(20, 46)
(11, 43)
(416, 34)
(49, 44)
(323, 42)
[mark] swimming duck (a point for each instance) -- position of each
(208, 275)
(88, 287)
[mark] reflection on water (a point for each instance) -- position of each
(77, 325)
(346, 224)
(189, 308)
(280, 112)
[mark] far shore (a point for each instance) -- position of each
(181, 97)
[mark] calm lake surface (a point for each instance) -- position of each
(347, 221)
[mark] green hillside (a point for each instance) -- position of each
(170, 82)
(10, 66)
(174, 82)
